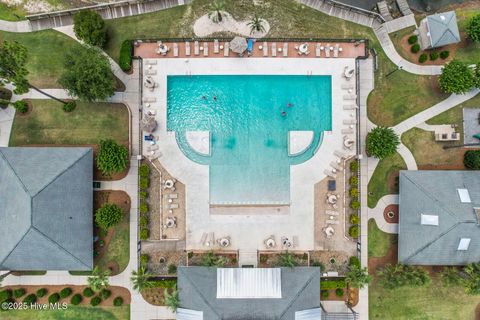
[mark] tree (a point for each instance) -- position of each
(99, 279)
(456, 77)
(108, 215)
(141, 279)
(256, 24)
(90, 27)
(473, 28)
(382, 142)
(450, 276)
(13, 60)
(172, 300)
(88, 74)
(394, 276)
(216, 9)
(111, 157)
(471, 278)
(471, 159)
(476, 76)
(287, 259)
(357, 277)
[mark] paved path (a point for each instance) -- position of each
(6, 122)
(15, 26)
(377, 213)
(407, 157)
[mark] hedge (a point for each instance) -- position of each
(471, 159)
(434, 55)
(144, 234)
(21, 106)
(54, 298)
(444, 54)
(415, 48)
(118, 301)
(324, 294)
(143, 222)
(5, 295)
(17, 293)
(125, 59)
(353, 181)
(88, 292)
(354, 261)
(353, 231)
(355, 205)
(144, 183)
(354, 166)
(143, 195)
(144, 171)
(105, 294)
(143, 208)
(69, 106)
(423, 57)
(30, 299)
(339, 292)
(165, 283)
(95, 301)
(332, 284)
(41, 292)
(65, 292)
(144, 258)
(76, 299)
(354, 218)
(412, 39)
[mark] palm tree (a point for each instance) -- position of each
(471, 278)
(141, 279)
(287, 260)
(357, 277)
(99, 279)
(172, 300)
(256, 24)
(216, 11)
(211, 260)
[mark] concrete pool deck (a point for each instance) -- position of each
(248, 231)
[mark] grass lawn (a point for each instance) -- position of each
(11, 13)
(87, 124)
(383, 179)
(414, 303)
(46, 50)
(471, 52)
(379, 242)
(71, 313)
(455, 115)
(428, 152)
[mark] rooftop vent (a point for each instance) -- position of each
(463, 244)
(464, 195)
(429, 220)
(442, 17)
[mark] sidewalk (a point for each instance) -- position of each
(377, 213)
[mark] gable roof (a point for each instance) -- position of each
(198, 291)
(443, 29)
(436, 193)
(46, 204)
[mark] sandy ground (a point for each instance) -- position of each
(204, 26)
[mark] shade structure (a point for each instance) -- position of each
(149, 124)
(238, 45)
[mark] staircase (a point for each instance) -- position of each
(247, 258)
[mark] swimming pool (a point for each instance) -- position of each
(249, 117)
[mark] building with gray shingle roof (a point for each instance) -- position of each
(439, 30)
(46, 204)
(439, 217)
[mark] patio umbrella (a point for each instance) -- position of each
(238, 45)
(149, 124)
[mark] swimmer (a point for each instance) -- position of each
(204, 98)
(289, 104)
(215, 98)
(284, 113)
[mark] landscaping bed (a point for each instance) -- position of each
(390, 213)
(336, 261)
(164, 263)
(273, 259)
(155, 295)
(196, 258)
(379, 242)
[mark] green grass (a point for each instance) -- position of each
(455, 115)
(471, 52)
(379, 242)
(421, 303)
(87, 124)
(46, 50)
(381, 182)
(71, 313)
(11, 13)
(118, 249)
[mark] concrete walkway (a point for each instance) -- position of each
(407, 157)
(6, 121)
(377, 213)
(15, 26)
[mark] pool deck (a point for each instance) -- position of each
(249, 230)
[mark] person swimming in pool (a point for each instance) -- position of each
(284, 114)
(215, 98)
(289, 105)
(204, 98)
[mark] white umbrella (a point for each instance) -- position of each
(238, 45)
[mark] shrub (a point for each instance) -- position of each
(324, 294)
(395, 276)
(118, 301)
(354, 165)
(90, 27)
(423, 57)
(125, 59)
(354, 261)
(354, 219)
(382, 142)
(69, 106)
(415, 48)
(332, 284)
(354, 193)
(353, 181)
(471, 159)
(76, 299)
(105, 294)
(355, 205)
(102, 233)
(434, 55)
(144, 258)
(144, 234)
(144, 183)
(88, 292)
(4, 103)
(108, 215)
(143, 222)
(30, 299)
(319, 265)
(95, 301)
(5, 295)
(339, 292)
(144, 171)
(353, 231)
(112, 157)
(444, 54)
(473, 28)
(143, 207)
(5, 96)
(17, 293)
(412, 39)
(172, 269)
(54, 298)
(41, 292)
(165, 283)
(21, 106)
(456, 77)
(65, 292)
(143, 195)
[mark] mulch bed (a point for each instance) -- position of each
(116, 292)
(393, 208)
(271, 259)
(390, 258)
(155, 296)
(195, 258)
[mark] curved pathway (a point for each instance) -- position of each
(377, 213)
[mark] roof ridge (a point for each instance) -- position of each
(295, 298)
(15, 173)
(185, 274)
(60, 246)
(61, 173)
(18, 242)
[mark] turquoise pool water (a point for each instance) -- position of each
(249, 160)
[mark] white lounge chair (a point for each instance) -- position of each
(348, 131)
(327, 50)
(331, 213)
(330, 174)
(265, 49)
(203, 238)
(349, 107)
(173, 206)
(153, 148)
(347, 86)
(175, 49)
(150, 72)
(151, 62)
(285, 49)
(226, 49)
(274, 49)
(216, 47)
(340, 154)
(205, 49)
(318, 51)
(173, 196)
(332, 221)
(349, 96)
(187, 48)
(149, 99)
(349, 121)
(196, 48)
(335, 51)
(336, 166)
